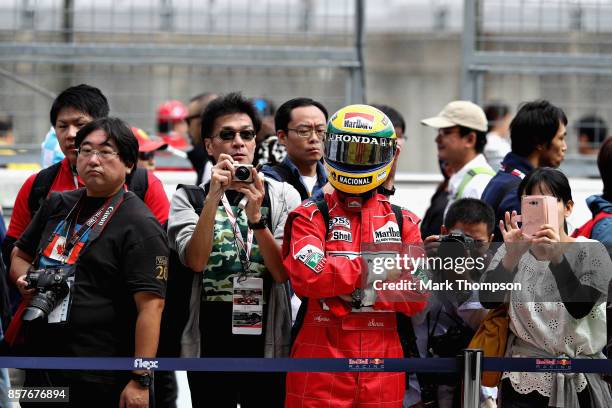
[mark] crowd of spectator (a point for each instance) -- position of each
(267, 254)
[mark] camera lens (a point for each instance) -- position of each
(242, 173)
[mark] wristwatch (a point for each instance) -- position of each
(261, 224)
(144, 380)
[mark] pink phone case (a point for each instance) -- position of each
(537, 210)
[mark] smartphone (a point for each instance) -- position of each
(537, 210)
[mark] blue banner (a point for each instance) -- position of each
(440, 365)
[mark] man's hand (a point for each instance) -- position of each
(22, 285)
(134, 396)
(221, 176)
(431, 245)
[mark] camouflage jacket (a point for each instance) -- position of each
(224, 264)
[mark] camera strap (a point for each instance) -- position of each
(243, 248)
(104, 214)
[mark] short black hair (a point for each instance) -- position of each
(228, 104)
(84, 98)
(283, 113)
(470, 211)
(536, 123)
(553, 179)
(394, 116)
(594, 127)
(117, 131)
(481, 137)
(495, 111)
(604, 163)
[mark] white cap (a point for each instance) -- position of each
(459, 113)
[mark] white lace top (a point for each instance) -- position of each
(539, 318)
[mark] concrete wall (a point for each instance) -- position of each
(417, 74)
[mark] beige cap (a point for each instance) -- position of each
(459, 113)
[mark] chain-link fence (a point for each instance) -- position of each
(142, 52)
(559, 50)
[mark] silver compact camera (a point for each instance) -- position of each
(243, 173)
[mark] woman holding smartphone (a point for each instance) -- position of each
(560, 310)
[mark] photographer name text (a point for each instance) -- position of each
(460, 284)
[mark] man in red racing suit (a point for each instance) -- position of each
(327, 270)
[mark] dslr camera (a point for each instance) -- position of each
(51, 286)
(242, 173)
(461, 240)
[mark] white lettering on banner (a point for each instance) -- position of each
(146, 364)
(388, 233)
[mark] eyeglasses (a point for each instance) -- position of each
(102, 154)
(230, 134)
(307, 131)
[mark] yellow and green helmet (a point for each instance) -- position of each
(360, 145)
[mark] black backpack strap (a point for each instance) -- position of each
(139, 183)
(41, 187)
(324, 210)
(399, 216)
(195, 195)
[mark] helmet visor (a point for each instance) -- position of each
(359, 150)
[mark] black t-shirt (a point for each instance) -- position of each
(129, 256)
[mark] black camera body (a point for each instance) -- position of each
(457, 236)
(456, 244)
(243, 173)
(51, 285)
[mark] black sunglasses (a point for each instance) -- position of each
(229, 134)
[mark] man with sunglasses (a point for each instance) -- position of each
(300, 126)
(234, 241)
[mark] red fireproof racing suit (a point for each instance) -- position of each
(321, 268)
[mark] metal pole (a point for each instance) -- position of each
(468, 47)
(358, 74)
(472, 371)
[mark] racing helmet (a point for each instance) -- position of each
(171, 111)
(360, 145)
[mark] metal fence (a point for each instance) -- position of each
(142, 52)
(560, 50)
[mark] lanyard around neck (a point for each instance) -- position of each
(104, 214)
(244, 249)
